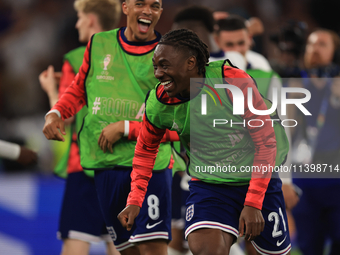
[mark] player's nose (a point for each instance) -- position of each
(147, 10)
(158, 73)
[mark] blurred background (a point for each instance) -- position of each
(37, 33)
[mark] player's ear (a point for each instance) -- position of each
(125, 8)
(216, 38)
(191, 63)
(92, 19)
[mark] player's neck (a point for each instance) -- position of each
(131, 37)
(95, 29)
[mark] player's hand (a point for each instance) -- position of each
(255, 26)
(49, 80)
(52, 126)
(290, 196)
(128, 215)
(111, 134)
(252, 219)
(27, 157)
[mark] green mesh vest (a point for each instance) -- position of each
(206, 145)
(262, 79)
(116, 86)
(75, 58)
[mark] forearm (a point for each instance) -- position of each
(132, 129)
(263, 137)
(143, 162)
(53, 97)
(265, 153)
(71, 101)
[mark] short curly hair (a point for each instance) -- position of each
(188, 41)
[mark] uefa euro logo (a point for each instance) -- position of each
(107, 60)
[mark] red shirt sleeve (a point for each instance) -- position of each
(66, 78)
(263, 137)
(74, 98)
(144, 160)
(135, 126)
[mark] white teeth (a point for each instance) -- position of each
(145, 21)
(165, 83)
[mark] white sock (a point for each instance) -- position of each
(236, 250)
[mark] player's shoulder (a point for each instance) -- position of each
(76, 51)
(230, 71)
(106, 34)
(159, 93)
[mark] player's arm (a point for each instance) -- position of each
(20, 154)
(265, 153)
(49, 83)
(130, 129)
(71, 101)
(66, 79)
(143, 162)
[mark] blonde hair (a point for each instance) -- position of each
(108, 11)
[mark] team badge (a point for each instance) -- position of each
(190, 213)
(112, 233)
(106, 61)
(105, 64)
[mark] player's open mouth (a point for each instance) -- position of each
(143, 25)
(167, 85)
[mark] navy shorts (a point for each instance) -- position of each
(154, 219)
(80, 216)
(219, 206)
(179, 197)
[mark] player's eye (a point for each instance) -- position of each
(155, 7)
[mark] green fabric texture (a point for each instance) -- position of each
(75, 58)
(209, 146)
(116, 86)
(263, 79)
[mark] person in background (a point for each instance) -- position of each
(232, 34)
(322, 133)
(81, 221)
(291, 41)
(115, 76)
(20, 154)
(254, 24)
(200, 19)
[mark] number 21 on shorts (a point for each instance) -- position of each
(273, 216)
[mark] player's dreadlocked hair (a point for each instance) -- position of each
(187, 41)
